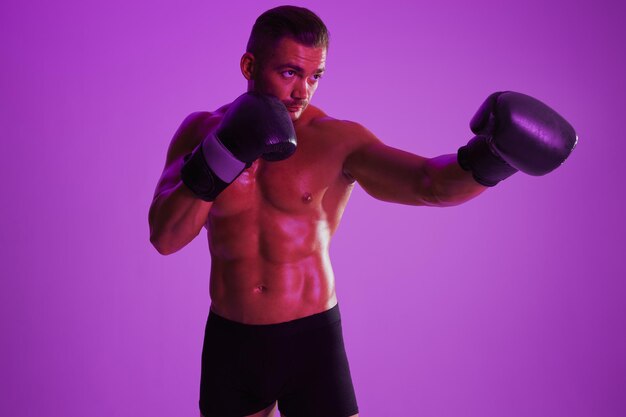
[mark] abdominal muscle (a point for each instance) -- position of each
(269, 264)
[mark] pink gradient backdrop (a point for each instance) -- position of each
(510, 305)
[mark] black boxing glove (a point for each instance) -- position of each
(255, 125)
(515, 132)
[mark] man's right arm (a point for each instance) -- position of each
(204, 158)
(176, 214)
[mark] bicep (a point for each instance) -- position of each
(389, 174)
(185, 139)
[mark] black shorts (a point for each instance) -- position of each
(301, 363)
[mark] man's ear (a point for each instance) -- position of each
(248, 65)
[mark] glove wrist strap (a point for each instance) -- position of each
(487, 168)
(222, 162)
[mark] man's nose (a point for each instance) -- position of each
(301, 90)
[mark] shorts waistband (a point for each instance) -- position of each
(322, 319)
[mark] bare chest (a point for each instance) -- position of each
(298, 185)
(310, 182)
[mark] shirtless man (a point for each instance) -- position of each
(269, 176)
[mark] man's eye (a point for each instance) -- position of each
(289, 74)
(314, 78)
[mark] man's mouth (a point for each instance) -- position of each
(293, 107)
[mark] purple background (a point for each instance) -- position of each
(509, 305)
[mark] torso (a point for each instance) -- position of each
(269, 232)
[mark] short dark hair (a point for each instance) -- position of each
(299, 23)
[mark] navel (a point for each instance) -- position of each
(260, 288)
(307, 198)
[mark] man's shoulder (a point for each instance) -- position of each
(318, 118)
(201, 121)
(191, 131)
(203, 116)
(347, 130)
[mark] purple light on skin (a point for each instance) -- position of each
(510, 304)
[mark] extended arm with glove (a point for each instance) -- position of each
(515, 132)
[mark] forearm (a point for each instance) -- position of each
(176, 217)
(397, 176)
(451, 185)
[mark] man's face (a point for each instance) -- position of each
(291, 73)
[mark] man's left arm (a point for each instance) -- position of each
(397, 176)
(514, 132)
